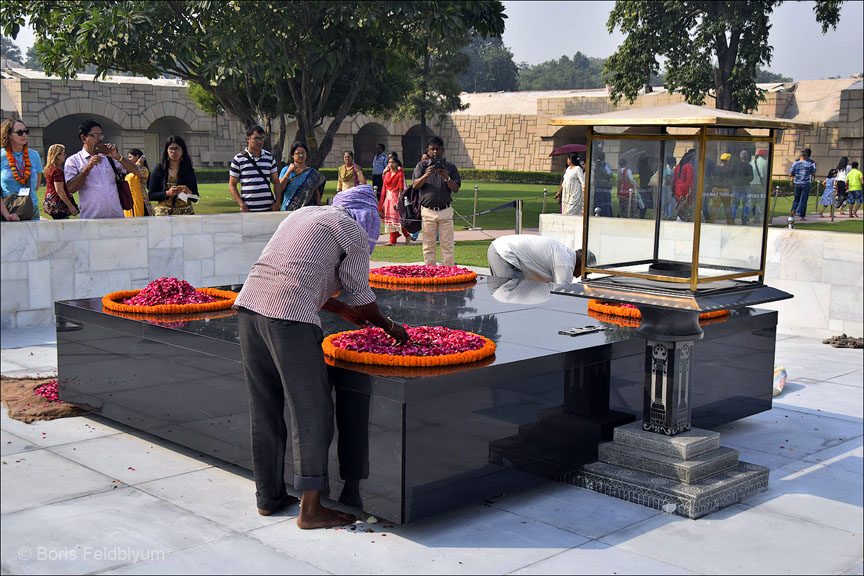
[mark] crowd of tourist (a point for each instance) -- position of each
(735, 184)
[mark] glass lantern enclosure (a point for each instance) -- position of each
(677, 197)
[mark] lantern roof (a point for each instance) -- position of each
(680, 114)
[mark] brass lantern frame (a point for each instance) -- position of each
(708, 122)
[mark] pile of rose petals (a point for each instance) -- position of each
(49, 390)
(168, 291)
(419, 271)
(424, 341)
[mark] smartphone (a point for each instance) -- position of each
(102, 148)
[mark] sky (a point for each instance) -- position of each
(540, 31)
(537, 31)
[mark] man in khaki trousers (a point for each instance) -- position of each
(437, 180)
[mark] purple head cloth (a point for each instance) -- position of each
(360, 202)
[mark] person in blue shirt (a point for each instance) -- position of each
(20, 167)
(379, 164)
(802, 172)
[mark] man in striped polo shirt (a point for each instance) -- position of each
(315, 252)
(256, 170)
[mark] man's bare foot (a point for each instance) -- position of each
(314, 515)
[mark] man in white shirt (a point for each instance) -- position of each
(537, 258)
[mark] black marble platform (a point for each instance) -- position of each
(412, 445)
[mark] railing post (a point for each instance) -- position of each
(474, 218)
(774, 204)
(544, 201)
(518, 216)
(790, 222)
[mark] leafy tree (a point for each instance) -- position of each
(259, 59)
(580, 72)
(707, 44)
(10, 50)
(32, 61)
(492, 68)
(437, 33)
(765, 76)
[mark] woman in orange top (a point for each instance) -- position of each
(394, 185)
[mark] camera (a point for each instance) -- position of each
(437, 163)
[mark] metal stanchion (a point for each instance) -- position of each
(597, 211)
(544, 201)
(791, 222)
(518, 216)
(774, 204)
(474, 218)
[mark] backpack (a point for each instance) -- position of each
(408, 205)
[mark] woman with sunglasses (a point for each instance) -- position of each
(20, 168)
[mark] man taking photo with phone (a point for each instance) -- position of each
(90, 173)
(437, 180)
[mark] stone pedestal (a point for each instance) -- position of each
(688, 474)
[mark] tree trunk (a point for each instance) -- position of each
(423, 96)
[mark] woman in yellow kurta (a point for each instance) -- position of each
(137, 184)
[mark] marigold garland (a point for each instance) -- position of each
(630, 311)
(25, 179)
(170, 320)
(423, 287)
(407, 372)
(464, 357)
(410, 275)
(112, 302)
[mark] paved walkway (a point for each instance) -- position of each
(86, 495)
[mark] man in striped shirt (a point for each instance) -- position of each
(315, 252)
(255, 169)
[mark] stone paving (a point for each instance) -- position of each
(86, 495)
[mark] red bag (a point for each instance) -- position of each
(123, 190)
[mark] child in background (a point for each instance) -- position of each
(827, 198)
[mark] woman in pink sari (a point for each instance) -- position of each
(394, 185)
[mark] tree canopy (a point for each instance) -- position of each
(10, 50)
(258, 59)
(708, 45)
(491, 67)
(579, 72)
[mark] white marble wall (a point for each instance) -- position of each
(60, 260)
(823, 270)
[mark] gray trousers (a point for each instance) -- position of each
(500, 267)
(283, 363)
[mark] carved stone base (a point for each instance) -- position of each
(688, 500)
(690, 474)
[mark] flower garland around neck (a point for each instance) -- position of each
(631, 311)
(21, 178)
(169, 296)
(421, 275)
(428, 346)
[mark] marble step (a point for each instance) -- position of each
(687, 500)
(686, 471)
(686, 446)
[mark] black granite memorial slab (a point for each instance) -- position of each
(416, 443)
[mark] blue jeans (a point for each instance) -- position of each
(603, 200)
(802, 192)
(741, 194)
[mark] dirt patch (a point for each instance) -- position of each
(24, 404)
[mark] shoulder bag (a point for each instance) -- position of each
(260, 173)
(123, 190)
(20, 205)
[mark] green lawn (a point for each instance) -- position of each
(467, 253)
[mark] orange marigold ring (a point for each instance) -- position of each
(612, 309)
(379, 359)
(113, 300)
(423, 287)
(405, 371)
(411, 275)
